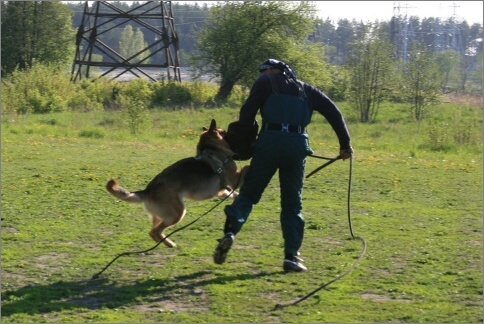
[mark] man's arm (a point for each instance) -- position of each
(260, 91)
(321, 103)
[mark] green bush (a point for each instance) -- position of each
(237, 97)
(93, 133)
(340, 81)
(137, 89)
(134, 113)
(438, 137)
(201, 92)
(170, 94)
(41, 89)
(465, 132)
(45, 89)
(93, 96)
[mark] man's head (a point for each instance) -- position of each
(274, 65)
(271, 64)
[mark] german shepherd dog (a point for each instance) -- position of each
(211, 173)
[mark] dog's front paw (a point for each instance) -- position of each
(228, 193)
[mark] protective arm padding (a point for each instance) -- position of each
(241, 139)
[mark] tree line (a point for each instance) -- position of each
(338, 37)
(404, 59)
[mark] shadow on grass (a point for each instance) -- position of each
(99, 293)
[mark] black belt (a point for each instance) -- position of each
(287, 128)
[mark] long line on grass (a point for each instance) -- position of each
(355, 264)
(95, 276)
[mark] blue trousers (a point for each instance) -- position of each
(274, 150)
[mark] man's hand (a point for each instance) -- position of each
(346, 153)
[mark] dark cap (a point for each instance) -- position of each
(270, 64)
(276, 64)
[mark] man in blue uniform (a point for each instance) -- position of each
(286, 106)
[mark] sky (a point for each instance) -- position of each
(471, 11)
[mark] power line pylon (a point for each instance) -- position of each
(103, 17)
(402, 31)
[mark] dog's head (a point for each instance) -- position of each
(213, 138)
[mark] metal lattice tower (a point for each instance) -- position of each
(155, 17)
(448, 35)
(446, 31)
(401, 31)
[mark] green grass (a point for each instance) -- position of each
(418, 205)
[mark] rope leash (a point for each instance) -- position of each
(96, 276)
(277, 306)
(330, 160)
(355, 264)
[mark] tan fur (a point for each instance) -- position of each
(191, 178)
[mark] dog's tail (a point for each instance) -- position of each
(119, 192)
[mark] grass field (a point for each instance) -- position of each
(416, 199)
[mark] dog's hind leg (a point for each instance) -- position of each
(156, 232)
(164, 216)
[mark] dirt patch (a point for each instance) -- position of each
(382, 298)
(195, 300)
(168, 306)
(51, 260)
(463, 99)
(7, 229)
(9, 278)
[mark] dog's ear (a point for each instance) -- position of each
(213, 125)
(204, 128)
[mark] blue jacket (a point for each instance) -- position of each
(317, 100)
